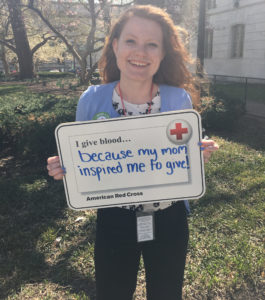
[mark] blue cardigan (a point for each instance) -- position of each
(96, 102)
(98, 99)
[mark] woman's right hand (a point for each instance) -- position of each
(54, 168)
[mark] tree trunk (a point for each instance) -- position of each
(23, 51)
(83, 71)
(201, 40)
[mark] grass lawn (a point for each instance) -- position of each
(11, 88)
(46, 250)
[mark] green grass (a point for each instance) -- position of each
(11, 88)
(227, 226)
(46, 250)
(255, 92)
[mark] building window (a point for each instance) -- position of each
(238, 35)
(208, 47)
(236, 3)
(211, 4)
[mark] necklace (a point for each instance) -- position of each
(149, 103)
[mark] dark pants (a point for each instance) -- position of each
(117, 254)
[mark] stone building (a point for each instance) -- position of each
(235, 38)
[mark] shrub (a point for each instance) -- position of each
(95, 79)
(28, 121)
(220, 112)
(54, 75)
(13, 76)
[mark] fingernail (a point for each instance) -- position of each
(202, 148)
(64, 170)
(200, 143)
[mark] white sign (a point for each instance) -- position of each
(132, 160)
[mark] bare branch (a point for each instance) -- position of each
(97, 49)
(42, 43)
(3, 42)
(99, 40)
(91, 35)
(62, 37)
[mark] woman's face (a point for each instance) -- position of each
(139, 49)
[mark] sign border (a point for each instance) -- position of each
(78, 123)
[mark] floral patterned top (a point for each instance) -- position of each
(132, 109)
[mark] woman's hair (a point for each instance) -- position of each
(173, 68)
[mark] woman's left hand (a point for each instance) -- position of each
(208, 147)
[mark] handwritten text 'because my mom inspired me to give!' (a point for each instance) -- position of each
(94, 161)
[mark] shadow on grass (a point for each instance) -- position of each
(249, 131)
(30, 206)
(216, 198)
(5, 90)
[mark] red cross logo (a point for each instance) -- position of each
(178, 131)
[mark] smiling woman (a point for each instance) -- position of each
(143, 55)
(139, 52)
(173, 68)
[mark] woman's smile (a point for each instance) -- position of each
(138, 63)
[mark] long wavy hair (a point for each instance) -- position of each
(173, 68)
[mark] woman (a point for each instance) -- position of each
(144, 70)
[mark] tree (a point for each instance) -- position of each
(81, 26)
(64, 25)
(201, 39)
(22, 48)
(18, 41)
(3, 58)
(4, 28)
(175, 8)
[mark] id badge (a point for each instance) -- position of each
(145, 226)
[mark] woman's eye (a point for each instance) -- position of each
(153, 45)
(129, 41)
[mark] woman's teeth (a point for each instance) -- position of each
(138, 64)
